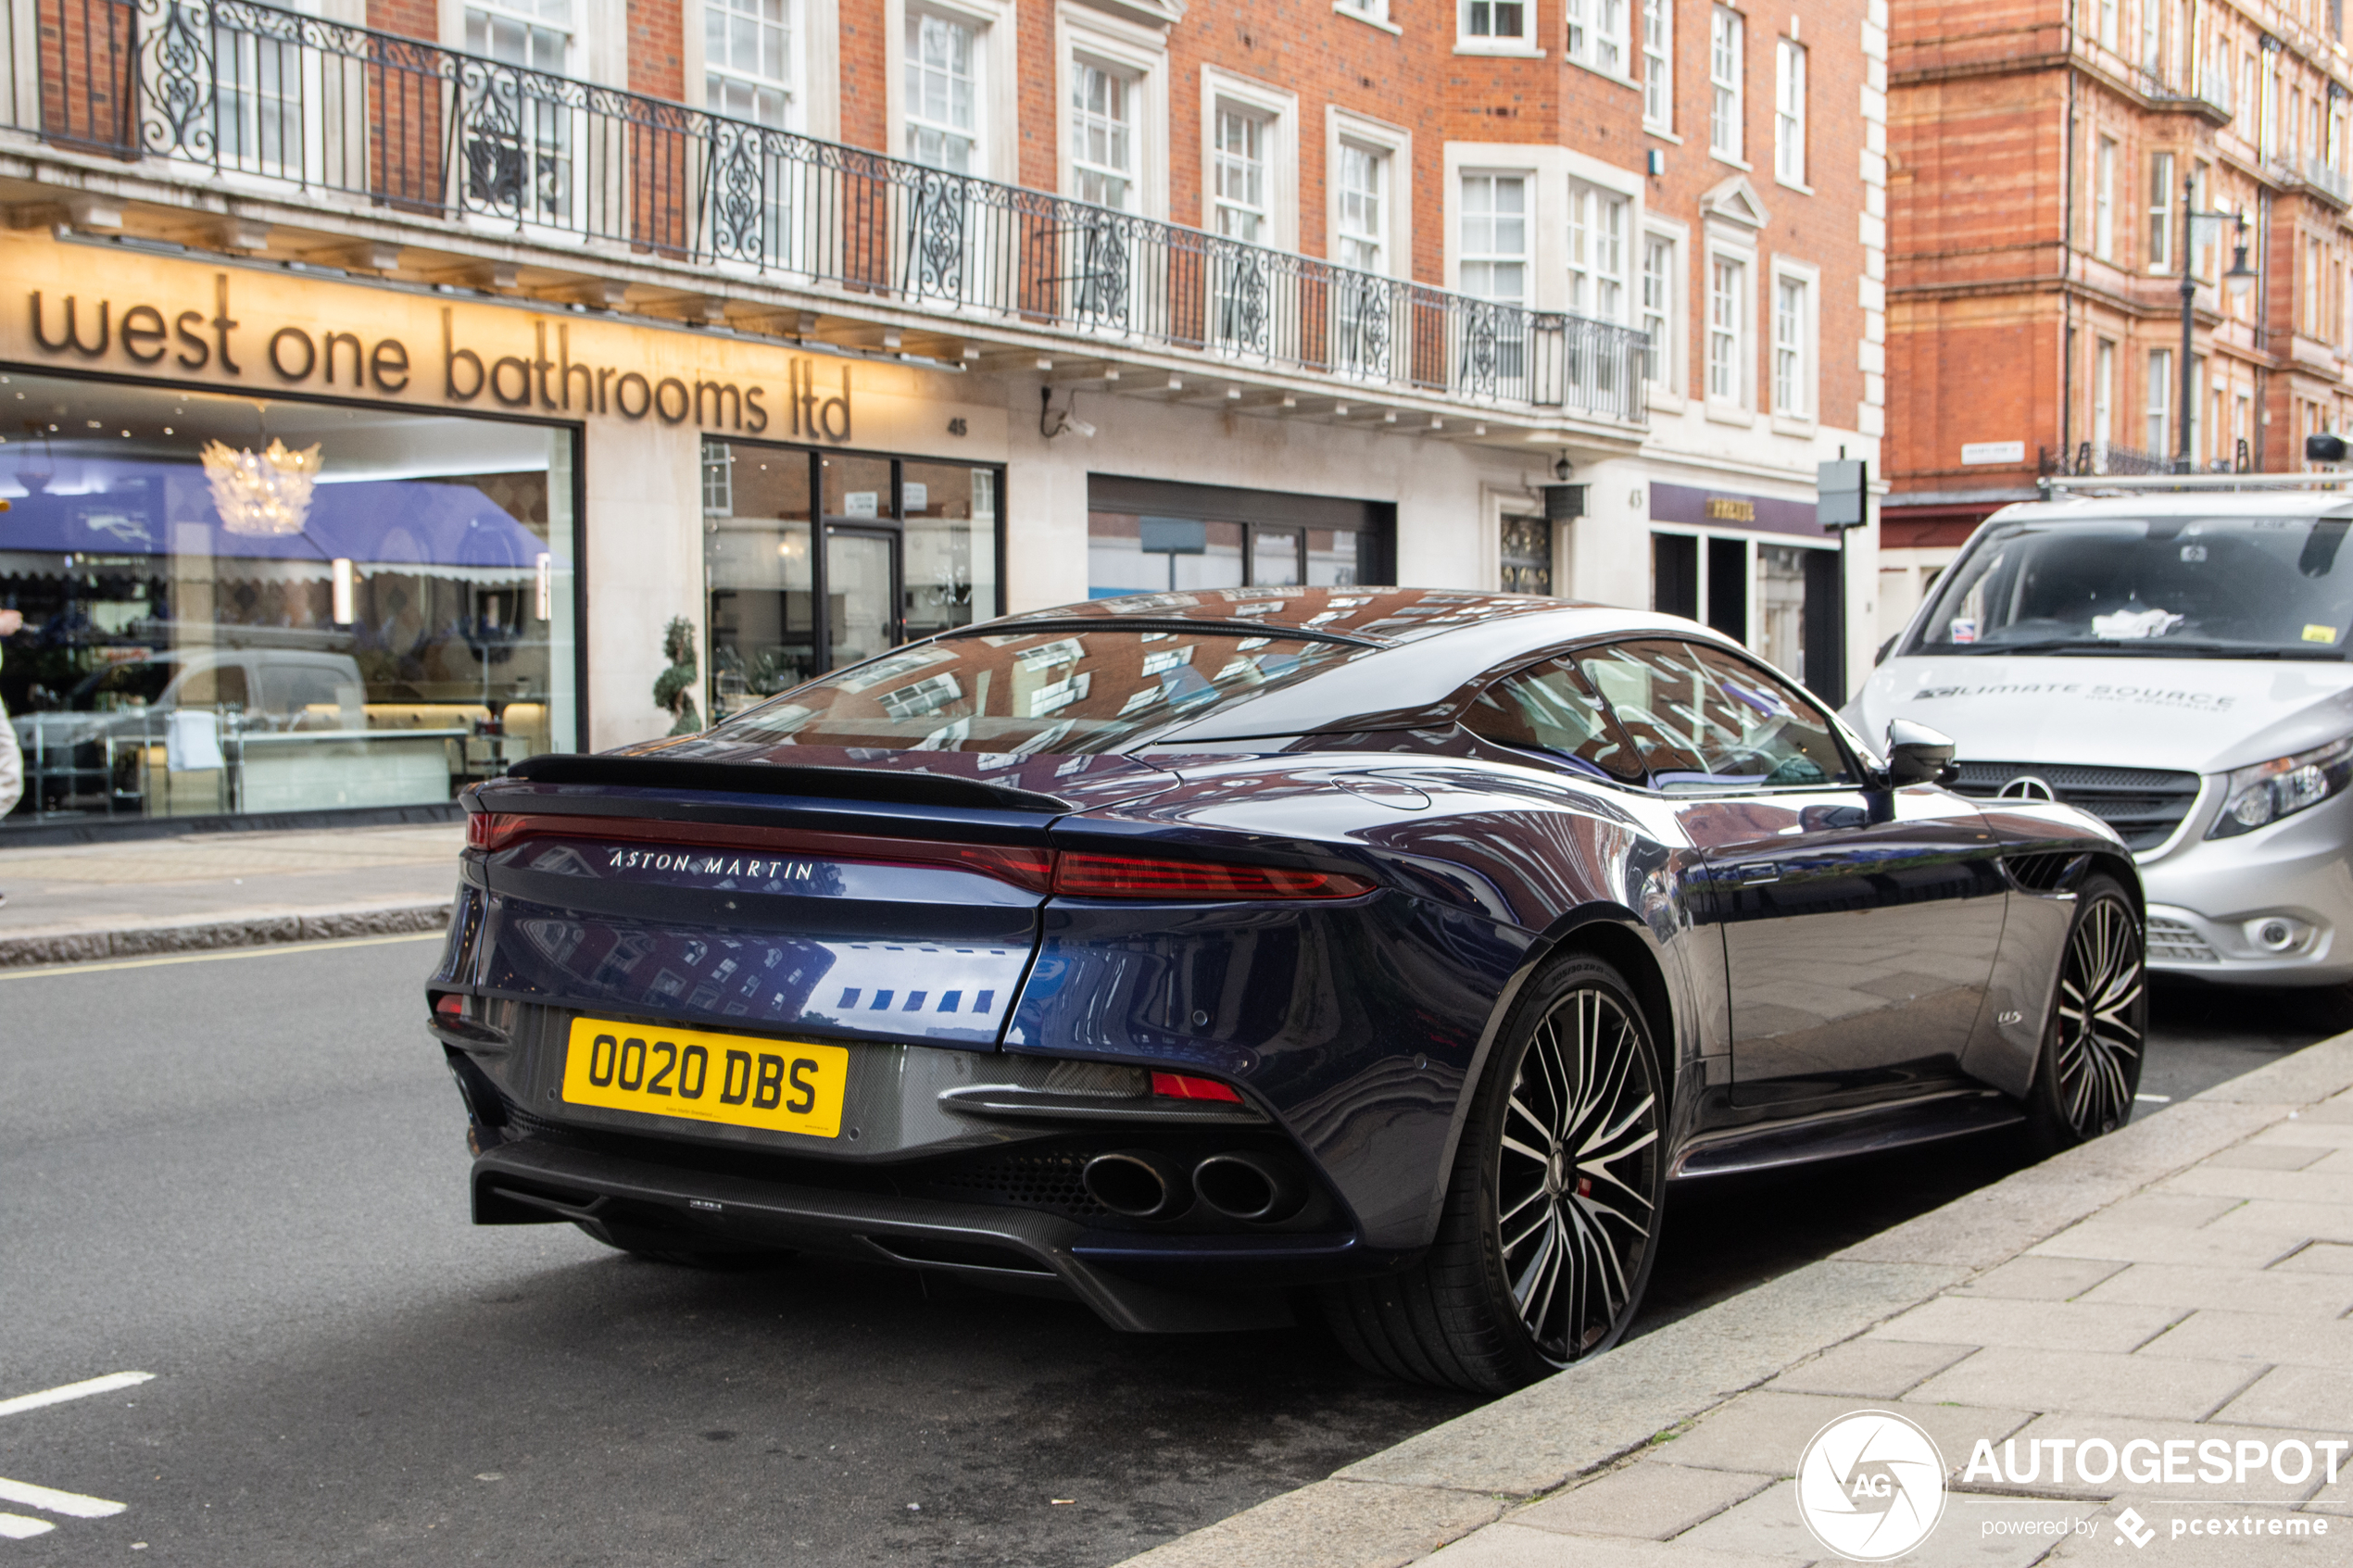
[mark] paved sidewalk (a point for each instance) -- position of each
(2189, 1278)
(77, 902)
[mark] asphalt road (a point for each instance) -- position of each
(245, 1174)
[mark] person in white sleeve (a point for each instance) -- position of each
(11, 759)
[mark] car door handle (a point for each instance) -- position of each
(1756, 871)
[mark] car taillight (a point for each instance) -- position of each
(1180, 1086)
(493, 829)
(1082, 874)
(1072, 872)
(1025, 867)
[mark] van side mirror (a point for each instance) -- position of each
(2323, 448)
(1917, 754)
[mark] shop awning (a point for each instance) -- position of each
(131, 508)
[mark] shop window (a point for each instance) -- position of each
(892, 549)
(1334, 558)
(1527, 556)
(238, 605)
(1136, 546)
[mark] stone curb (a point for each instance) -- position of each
(1403, 1503)
(254, 928)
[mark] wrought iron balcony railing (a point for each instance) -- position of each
(265, 101)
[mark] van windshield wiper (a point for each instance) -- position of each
(2136, 648)
(2153, 647)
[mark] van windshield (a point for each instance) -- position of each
(2259, 587)
(1025, 694)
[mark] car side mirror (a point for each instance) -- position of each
(1917, 754)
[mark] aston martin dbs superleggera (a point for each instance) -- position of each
(1207, 955)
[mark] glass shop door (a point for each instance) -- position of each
(862, 593)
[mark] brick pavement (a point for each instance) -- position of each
(2190, 1278)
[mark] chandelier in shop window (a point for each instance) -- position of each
(265, 493)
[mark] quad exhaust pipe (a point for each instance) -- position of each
(1137, 1182)
(1248, 1186)
(1144, 1185)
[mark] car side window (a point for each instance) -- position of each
(1548, 708)
(1706, 719)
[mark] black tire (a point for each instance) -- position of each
(1532, 1267)
(2093, 1042)
(656, 1247)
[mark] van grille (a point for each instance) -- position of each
(2175, 941)
(2143, 805)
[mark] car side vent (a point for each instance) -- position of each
(2053, 871)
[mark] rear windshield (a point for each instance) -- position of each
(1033, 692)
(2187, 587)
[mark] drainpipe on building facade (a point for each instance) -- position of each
(2066, 257)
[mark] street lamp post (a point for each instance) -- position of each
(2238, 279)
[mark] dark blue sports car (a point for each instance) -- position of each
(1204, 956)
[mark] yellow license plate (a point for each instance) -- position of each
(785, 1086)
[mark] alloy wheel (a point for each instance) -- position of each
(2097, 1058)
(1574, 1215)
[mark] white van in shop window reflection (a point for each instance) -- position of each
(2170, 655)
(180, 712)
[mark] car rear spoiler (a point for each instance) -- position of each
(881, 786)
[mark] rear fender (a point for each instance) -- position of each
(1677, 985)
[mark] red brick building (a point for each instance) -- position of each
(819, 325)
(2041, 152)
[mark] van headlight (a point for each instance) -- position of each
(2267, 791)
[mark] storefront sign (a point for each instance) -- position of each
(544, 378)
(1717, 508)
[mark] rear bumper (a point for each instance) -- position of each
(1147, 1284)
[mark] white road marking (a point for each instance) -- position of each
(269, 950)
(16, 1527)
(82, 1390)
(74, 1390)
(73, 1505)
(2156, 1100)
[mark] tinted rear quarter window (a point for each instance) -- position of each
(1548, 709)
